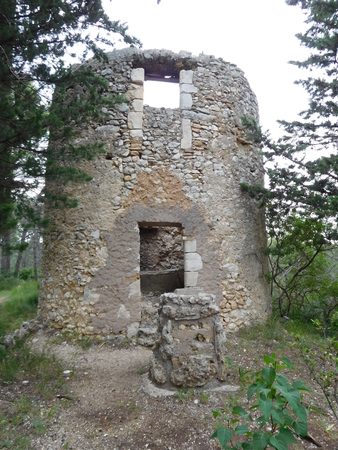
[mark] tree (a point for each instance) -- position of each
(35, 37)
(304, 178)
(302, 166)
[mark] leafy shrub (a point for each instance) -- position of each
(26, 274)
(280, 412)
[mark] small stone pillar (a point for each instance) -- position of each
(191, 349)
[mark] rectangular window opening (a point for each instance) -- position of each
(161, 259)
(162, 94)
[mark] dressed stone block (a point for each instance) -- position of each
(192, 262)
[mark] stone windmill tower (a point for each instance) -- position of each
(164, 209)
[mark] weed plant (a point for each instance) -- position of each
(276, 415)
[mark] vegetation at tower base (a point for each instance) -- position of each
(281, 415)
(35, 38)
(302, 198)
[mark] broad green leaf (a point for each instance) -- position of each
(279, 401)
(278, 416)
(269, 359)
(282, 381)
(252, 389)
(269, 375)
(247, 446)
(261, 420)
(287, 436)
(242, 429)
(260, 441)
(300, 428)
(301, 413)
(265, 406)
(273, 442)
(224, 435)
(293, 397)
(215, 413)
(300, 386)
(288, 420)
(278, 443)
(266, 392)
(214, 435)
(239, 410)
(287, 362)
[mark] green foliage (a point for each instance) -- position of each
(303, 271)
(35, 38)
(322, 364)
(298, 183)
(21, 305)
(276, 415)
(301, 200)
(26, 274)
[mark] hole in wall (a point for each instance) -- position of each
(161, 259)
(162, 94)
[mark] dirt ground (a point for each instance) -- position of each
(106, 404)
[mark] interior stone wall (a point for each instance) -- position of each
(162, 167)
(161, 248)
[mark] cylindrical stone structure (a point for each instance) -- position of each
(171, 177)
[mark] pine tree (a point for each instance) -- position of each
(304, 177)
(35, 37)
(301, 200)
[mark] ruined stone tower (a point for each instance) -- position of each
(164, 209)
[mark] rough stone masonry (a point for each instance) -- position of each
(164, 209)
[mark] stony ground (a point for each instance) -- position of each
(106, 403)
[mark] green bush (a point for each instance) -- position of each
(26, 274)
(280, 412)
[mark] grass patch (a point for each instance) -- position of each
(26, 416)
(8, 282)
(21, 305)
(272, 330)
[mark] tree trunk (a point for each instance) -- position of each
(19, 258)
(35, 240)
(5, 252)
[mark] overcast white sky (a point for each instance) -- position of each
(256, 35)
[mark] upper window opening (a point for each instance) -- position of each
(162, 94)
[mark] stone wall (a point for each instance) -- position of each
(164, 168)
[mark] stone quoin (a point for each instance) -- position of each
(164, 212)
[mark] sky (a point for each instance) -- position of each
(256, 35)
